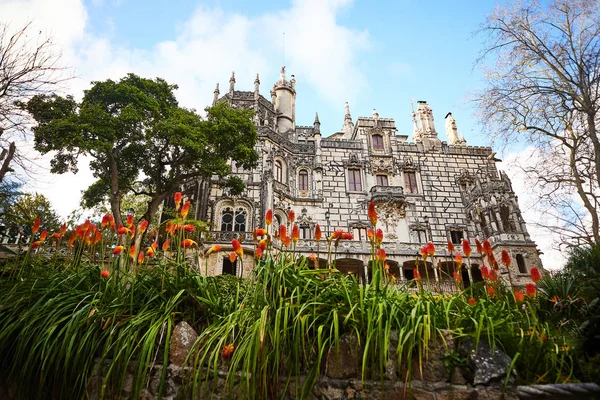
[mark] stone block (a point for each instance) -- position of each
(182, 340)
(343, 364)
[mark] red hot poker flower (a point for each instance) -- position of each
(36, 226)
(117, 250)
(258, 253)
(417, 275)
(282, 231)
(188, 243)
(188, 228)
(457, 276)
(129, 220)
(121, 230)
(269, 217)
(466, 248)
(370, 235)
(491, 291)
(485, 272)
(166, 245)
(380, 254)
(63, 229)
(347, 236)
(424, 251)
(487, 247)
(378, 237)
(237, 247)
(150, 252)
(260, 232)
(295, 233)
(430, 249)
(132, 251)
(177, 198)
(472, 301)
(530, 289)
(232, 256)
(286, 241)
(262, 244)
(505, 258)
(479, 246)
(519, 296)
(227, 351)
(105, 221)
(535, 274)
(214, 249)
(450, 247)
(318, 233)
(493, 275)
(43, 235)
(140, 257)
(142, 226)
(104, 274)
(458, 260)
(185, 209)
(291, 216)
(372, 214)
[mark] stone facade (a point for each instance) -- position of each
(424, 189)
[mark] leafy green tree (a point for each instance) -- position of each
(21, 215)
(140, 139)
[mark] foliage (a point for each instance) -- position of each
(21, 215)
(140, 139)
(543, 88)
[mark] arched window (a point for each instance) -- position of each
(377, 142)
(303, 180)
(234, 220)
(279, 171)
(305, 231)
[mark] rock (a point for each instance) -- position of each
(434, 369)
(454, 395)
(343, 364)
(487, 394)
(486, 366)
(182, 340)
(457, 377)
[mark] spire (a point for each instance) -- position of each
(256, 87)
(232, 83)
(451, 130)
(417, 135)
(348, 126)
(282, 77)
(317, 124)
(216, 94)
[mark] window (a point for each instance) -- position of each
(456, 237)
(233, 220)
(377, 142)
(484, 225)
(507, 223)
(359, 234)
(303, 180)
(304, 230)
(382, 180)
(410, 182)
(521, 264)
(278, 171)
(354, 180)
(229, 268)
(419, 236)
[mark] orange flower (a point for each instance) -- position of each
(72, 240)
(478, 246)
(530, 289)
(232, 256)
(36, 244)
(105, 221)
(424, 251)
(260, 232)
(313, 258)
(472, 301)
(131, 232)
(466, 248)
(214, 248)
(286, 241)
(97, 237)
(282, 231)
(485, 272)
(188, 243)
(269, 217)
(36, 226)
(121, 230)
(188, 228)
(457, 276)
(318, 233)
(237, 247)
(166, 245)
(380, 254)
(258, 253)
(336, 234)
(177, 197)
(487, 247)
(505, 258)
(154, 245)
(150, 252)
(491, 291)
(347, 236)
(185, 209)
(56, 236)
(430, 249)
(378, 237)
(63, 228)
(417, 275)
(104, 274)
(372, 214)
(129, 222)
(132, 251)
(519, 296)
(117, 250)
(291, 216)
(370, 235)
(227, 350)
(493, 275)
(43, 235)
(295, 234)
(142, 226)
(458, 260)
(262, 244)
(450, 247)
(535, 274)
(140, 257)
(544, 337)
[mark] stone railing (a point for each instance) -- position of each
(386, 193)
(227, 236)
(341, 144)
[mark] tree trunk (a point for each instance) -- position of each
(115, 193)
(6, 157)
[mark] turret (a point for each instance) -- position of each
(451, 130)
(348, 126)
(216, 95)
(317, 125)
(256, 87)
(231, 83)
(285, 104)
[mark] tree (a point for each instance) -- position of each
(21, 215)
(545, 88)
(29, 65)
(136, 134)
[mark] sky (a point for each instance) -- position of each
(373, 55)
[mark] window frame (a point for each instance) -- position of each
(458, 233)
(279, 171)
(303, 186)
(353, 184)
(378, 144)
(411, 186)
(387, 182)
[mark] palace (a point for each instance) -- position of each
(424, 190)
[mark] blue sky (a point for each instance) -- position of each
(420, 50)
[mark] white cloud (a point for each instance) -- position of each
(208, 46)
